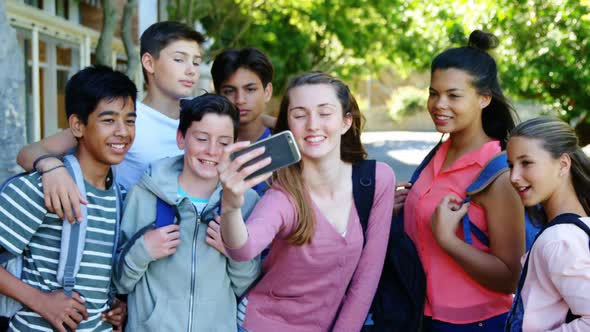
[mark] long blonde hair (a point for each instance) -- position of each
(351, 150)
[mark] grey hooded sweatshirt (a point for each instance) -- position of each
(194, 289)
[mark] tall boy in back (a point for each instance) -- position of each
(100, 105)
(245, 76)
(170, 58)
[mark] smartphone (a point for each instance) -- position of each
(281, 148)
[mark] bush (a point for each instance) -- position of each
(406, 101)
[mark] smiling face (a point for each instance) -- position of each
(534, 173)
(245, 90)
(453, 103)
(176, 70)
(108, 134)
(203, 144)
(316, 120)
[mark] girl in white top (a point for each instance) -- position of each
(549, 168)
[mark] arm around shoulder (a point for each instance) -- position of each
(59, 144)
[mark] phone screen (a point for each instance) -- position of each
(280, 147)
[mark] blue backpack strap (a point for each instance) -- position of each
(495, 167)
(165, 213)
(73, 235)
(363, 189)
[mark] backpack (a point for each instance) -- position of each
(399, 301)
(398, 304)
(73, 237)
(516, 314)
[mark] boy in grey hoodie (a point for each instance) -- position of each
(175, 281)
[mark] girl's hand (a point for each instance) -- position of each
(445, 219)
(401, 193)
(232, 175)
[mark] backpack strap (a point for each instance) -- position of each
(72, 235)
(363, 190)
(165, 214)
(425, 162)
(495, 167)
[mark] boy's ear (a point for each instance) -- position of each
(76, 126)
(147, 61)
(267, 92)
(180, 139)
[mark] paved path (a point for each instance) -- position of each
(402, 150)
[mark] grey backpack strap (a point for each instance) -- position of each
(73, 235)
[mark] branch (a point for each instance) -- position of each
(109, 24)
(127, 36)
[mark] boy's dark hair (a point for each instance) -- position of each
(89, 86)
(159, 35)
(229, 61)
(194, 109)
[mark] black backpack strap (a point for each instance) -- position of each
(425, 162)
(363, 190)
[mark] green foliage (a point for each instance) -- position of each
(406, 101)
(543, 55)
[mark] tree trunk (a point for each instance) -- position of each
(127, 35)
(12, 85)
(110, 18)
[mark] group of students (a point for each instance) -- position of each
(203, 272)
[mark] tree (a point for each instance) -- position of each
(543, 55)
(110, 19)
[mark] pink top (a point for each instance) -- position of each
(452, 295)
(304, 286)
(558, 280)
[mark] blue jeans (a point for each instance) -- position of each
(494, 324)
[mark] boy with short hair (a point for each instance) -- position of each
(100, 105)
(175, 281)
(245, 76)
(170, 57)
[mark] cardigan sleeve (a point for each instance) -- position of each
(359, 296)
(568, 267)
(273, 216)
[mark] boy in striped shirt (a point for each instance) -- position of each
(100, 105)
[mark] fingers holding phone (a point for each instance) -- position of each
(234, 174)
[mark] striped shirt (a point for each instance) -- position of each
(27, 228)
